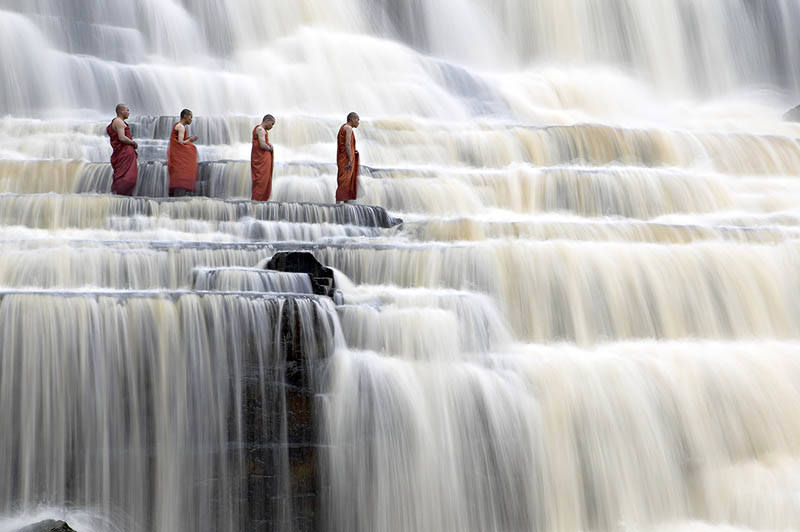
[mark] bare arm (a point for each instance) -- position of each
(262, 139)
(348, 137)
(119, 127)
(181, 129)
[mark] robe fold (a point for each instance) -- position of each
(262, 163)
(347, 180)
(181, 162)
(123, 162)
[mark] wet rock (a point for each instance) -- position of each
(279, 443)
(322, 282)
(793, 115)
(48, 525)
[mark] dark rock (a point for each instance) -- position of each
(279, 442)
(793, 115)
(322, 282)
(49, 525)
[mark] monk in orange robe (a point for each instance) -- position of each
(123, 156)
(347, 160)
(262, 160)
(182, 157)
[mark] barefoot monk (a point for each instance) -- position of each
(347, 160)
(123, 156)
(182, 157)
(262, 160)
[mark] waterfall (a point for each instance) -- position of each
(566, 299)
(251, 280)
(559, 438)
(152, 408)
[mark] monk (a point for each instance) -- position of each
(347, 160)
(182, 157)
(262, 160)
(123, 156)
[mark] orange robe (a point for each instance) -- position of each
(347, 179)
(262, 162)
(181, 162)
(123, 162)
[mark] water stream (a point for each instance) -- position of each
(588, 320)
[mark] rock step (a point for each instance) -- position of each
(255, 279)
(52, 211)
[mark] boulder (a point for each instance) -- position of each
(793, 115)
(48, 525)
(322, 282)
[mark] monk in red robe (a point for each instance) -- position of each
(262, 160)
(347, 160)
(182, 157)
(123, 156)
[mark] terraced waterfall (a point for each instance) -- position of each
(568, 299)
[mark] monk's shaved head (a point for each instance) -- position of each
(268, 118)
(123, 111)
(352, 116)
(185, 113)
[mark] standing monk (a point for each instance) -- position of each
(262, 160)
(123, 156)
(347, 160)
(182, 157)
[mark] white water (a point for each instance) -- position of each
(590, 319)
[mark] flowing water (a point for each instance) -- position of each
(589, 319)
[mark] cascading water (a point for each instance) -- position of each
(145, 408)
(589, 318)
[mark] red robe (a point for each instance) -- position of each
(346, 179)
(123, 162)
(181, 162)
(262, 163)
